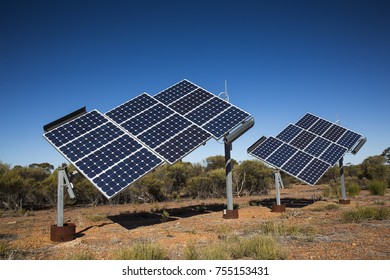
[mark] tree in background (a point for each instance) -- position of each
(252, 177)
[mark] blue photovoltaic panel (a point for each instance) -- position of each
(319, 145)
(281, 155)
(164, 130)
(73, 129)
(266, 148)
(131, 108)
(302, 140)
(126, 172)
(175, 92)
(307, 121)
(207, 111)
(313, 171)
(289, 133)
(334, 133)
(191, 101)
(320, 127)
(349, 139)
(183, 143)
(225, 122)
(333, 154)
(91, 141)
(96, 146)
(147, 119)
(297, 163)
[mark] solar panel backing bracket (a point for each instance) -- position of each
(64, 119)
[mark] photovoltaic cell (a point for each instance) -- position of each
(183, 143)
(225, 122)
(289, 133)
(164, 130)
(73, 129)
(281, 155)
(333, 154)
(131, 108)
(297, 163)
(320, 127)
(334, 133)
(307, 121)
(175, 92)
(207, 111)
(349, 139)
(191, 101)
(302, 140)
(91, 141)
(126, 172)
(313, 171)
(147, 119)
(266, 148)
(319, 145)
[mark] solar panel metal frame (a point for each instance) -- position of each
(77, 162)
(331, 152)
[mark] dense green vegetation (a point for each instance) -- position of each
(35, 186)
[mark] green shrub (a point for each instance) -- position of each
(280, 228)
(377, 187)
(327, 207)
(259, 247)
(366, 213)
(331, 191)
(354, 189)
(142, 251)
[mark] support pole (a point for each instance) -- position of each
(343, 199)
(278, 207)
(60, 198)
(229, 177)
(229, 213)
(62, 232)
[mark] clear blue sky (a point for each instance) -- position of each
(281, 59)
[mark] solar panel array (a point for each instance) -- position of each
(308, 148)
(116, 149)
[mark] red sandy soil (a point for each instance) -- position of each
(103, 230)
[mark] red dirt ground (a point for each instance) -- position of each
(103, 230)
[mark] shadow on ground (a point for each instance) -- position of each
(289, 202)
(132, 220)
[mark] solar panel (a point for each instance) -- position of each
(207, 111)
(307, 148)
(175, 92)
(98, 148)
(203, 108)
(131, 108)
(191, 101)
